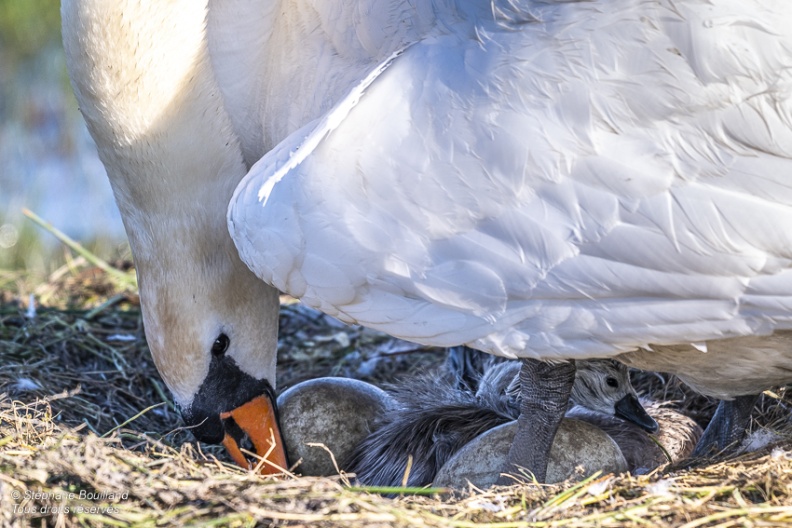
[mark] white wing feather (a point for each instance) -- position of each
(606, 176)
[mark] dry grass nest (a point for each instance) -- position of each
(90, 437)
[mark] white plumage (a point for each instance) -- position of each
(538, 179)
(561, 180)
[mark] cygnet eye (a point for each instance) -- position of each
(612, 382)
(220, 345)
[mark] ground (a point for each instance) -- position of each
(89, 436)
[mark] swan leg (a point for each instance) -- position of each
(727, 426)
(545, 389)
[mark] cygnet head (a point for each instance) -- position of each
(603, 385)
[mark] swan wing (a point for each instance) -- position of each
(572, 180)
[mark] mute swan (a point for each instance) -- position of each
(545, 180)
(555, 181)
(180, 97)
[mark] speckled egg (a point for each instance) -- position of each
(576, 444)
(335, 412)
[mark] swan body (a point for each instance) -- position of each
(546, 180)
(723, 368)
(554, 181)
(545, 184)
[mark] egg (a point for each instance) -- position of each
(336, 413)
(577, 444)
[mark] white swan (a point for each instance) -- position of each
(181, 97)
(556, 180)
(550, 180)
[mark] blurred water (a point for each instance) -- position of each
(48, 162)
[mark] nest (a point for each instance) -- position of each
(90, 437)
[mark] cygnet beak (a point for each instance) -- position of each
(630, 409)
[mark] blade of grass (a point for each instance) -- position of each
(126, 280)
(397, 490)
(138, 415)
(663, 449)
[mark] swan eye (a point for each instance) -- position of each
(220, 345)
(612, 382)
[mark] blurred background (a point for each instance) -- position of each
(48, 162)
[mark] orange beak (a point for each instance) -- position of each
(257, 419)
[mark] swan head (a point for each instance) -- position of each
(143, 76)
(603, 385)
(211, 326)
